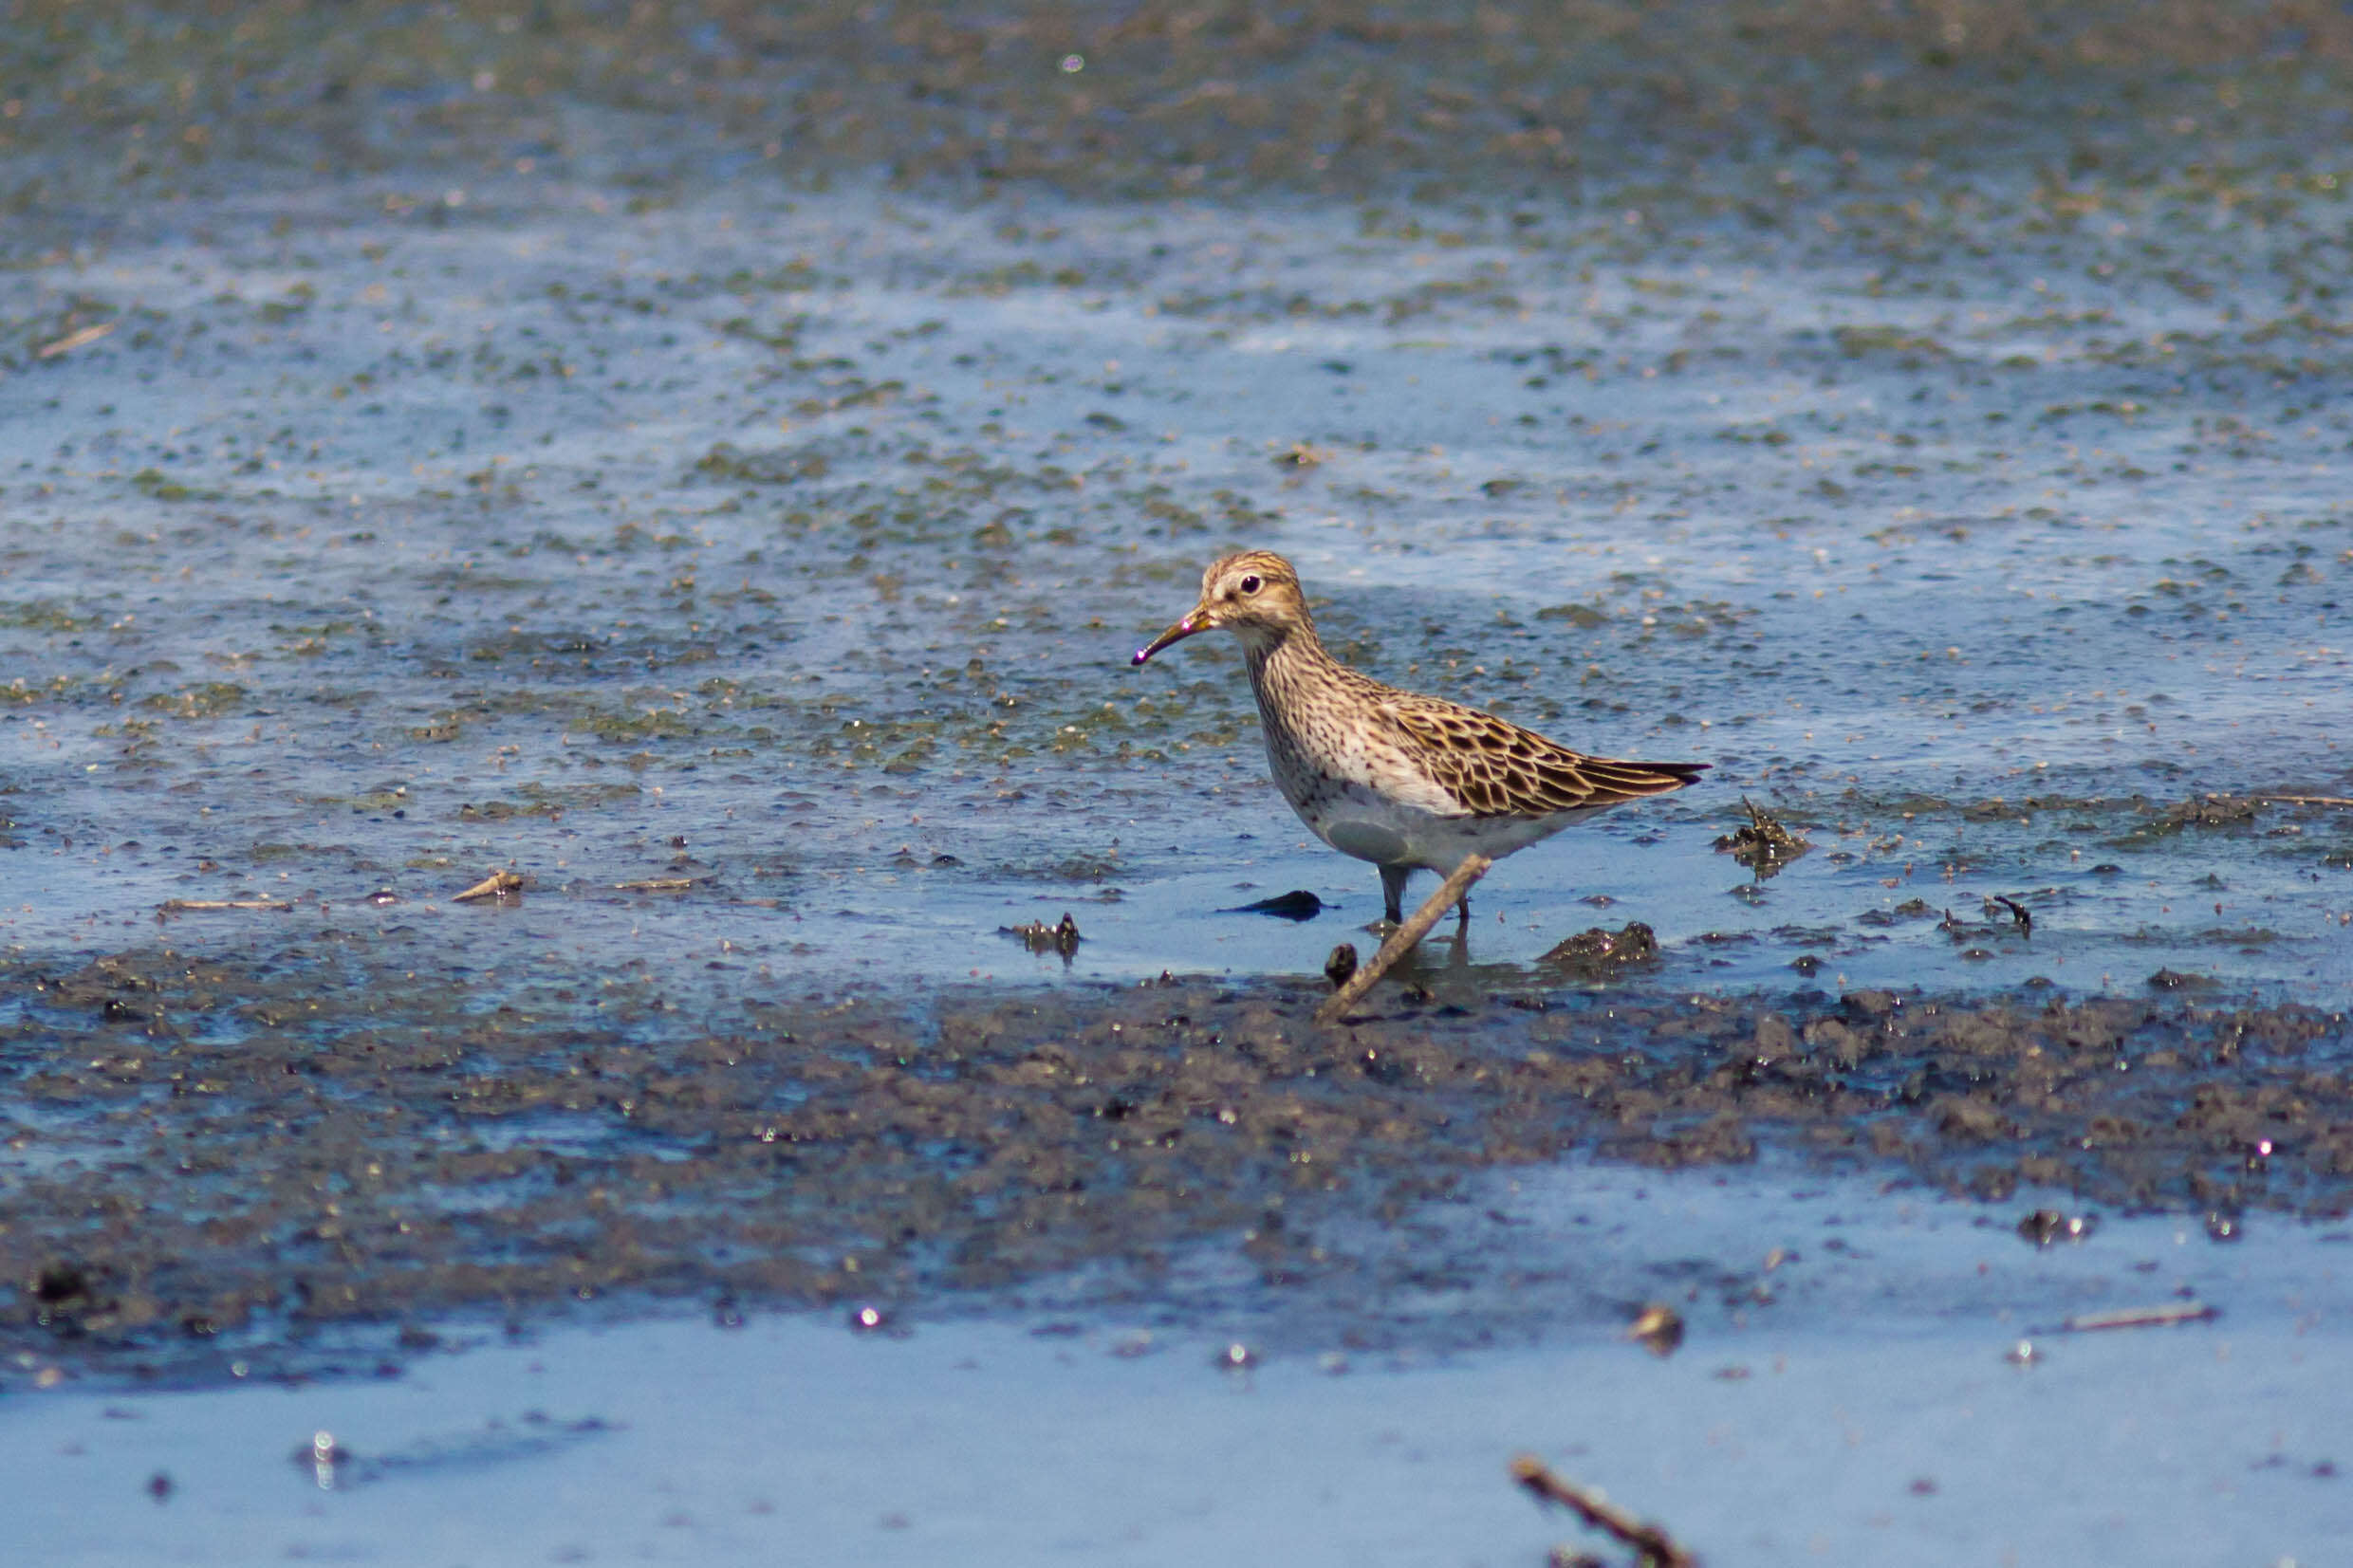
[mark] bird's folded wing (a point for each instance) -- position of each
(1495, 768)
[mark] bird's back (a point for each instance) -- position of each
(1326, 722)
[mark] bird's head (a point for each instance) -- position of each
(1255, 595)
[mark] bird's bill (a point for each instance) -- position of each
(1199, 621)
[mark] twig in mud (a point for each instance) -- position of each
(1401, 940)
(2305, 800)
(1653, 1546)
(2018, 910)
(72, 340)
(655, 884)
(2151, 1317)
(190, 906)
(498, 884)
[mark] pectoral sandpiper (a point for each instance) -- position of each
(1401, 780)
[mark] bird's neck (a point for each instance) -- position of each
(1282, 663)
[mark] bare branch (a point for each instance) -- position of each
(1402, 939)
(1653, 1546)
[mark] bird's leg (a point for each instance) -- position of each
(1393, 891)
(1462, 918)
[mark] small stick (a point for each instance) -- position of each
(183, 906)
(2307, 800)
(72, 340)
(2149, 1316)
(498, 884)
(1653, 1546)
(1401, 940)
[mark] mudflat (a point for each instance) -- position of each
(709, 470)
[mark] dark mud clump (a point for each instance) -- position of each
(2203, 811)
(1600, 954)
(217, 1158)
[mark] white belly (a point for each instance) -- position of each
(1355, 821)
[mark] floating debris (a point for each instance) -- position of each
(1040, 937)
(200, 906)
(337, 1467)
(1297, 904)
(1658, 1328)
(71, 340)
(2006, 917)
(323, 1457)
(1762, 844)
(1341, 964)
(2046, 1226)
(656, 884)
(1298, 455)
(501, 885)
(2148, 1316)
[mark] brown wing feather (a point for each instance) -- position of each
(1495, 768)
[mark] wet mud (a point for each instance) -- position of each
(215, 1161)
(1164, 99)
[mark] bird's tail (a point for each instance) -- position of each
(1633, 779)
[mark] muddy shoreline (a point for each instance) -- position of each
(221, 1158)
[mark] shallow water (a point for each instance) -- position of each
(1849, 1388)
(791, 549)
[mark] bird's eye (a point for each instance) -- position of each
(1251, 585)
